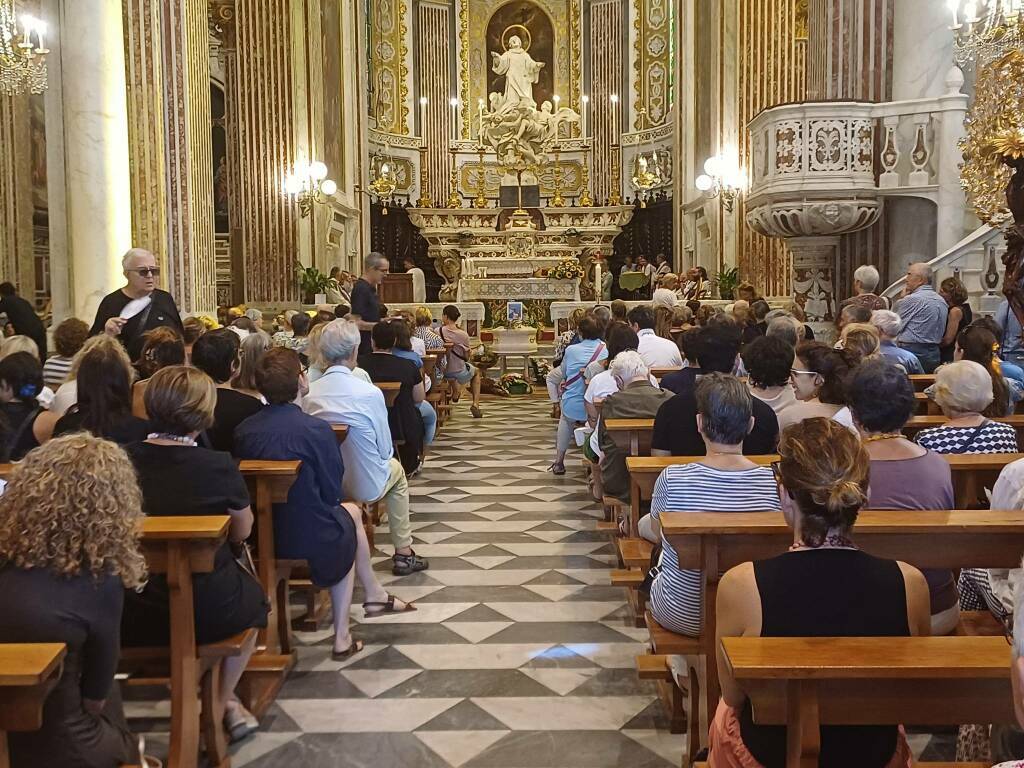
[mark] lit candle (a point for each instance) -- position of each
(583, 127)
(480, 109)
(423, 120)
(598, 294)
(455, 118)
(614, 98)
(28, 23)
(954, 6)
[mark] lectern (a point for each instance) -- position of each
(396, 288)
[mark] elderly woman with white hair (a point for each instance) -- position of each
(963, 390)
(889, 325)
(636, 398)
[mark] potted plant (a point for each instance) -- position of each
(311, 282)
(727, 280)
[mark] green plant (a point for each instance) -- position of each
(726, 281)
(311, 281)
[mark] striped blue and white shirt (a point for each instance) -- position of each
(676, 600)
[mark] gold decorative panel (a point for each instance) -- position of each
(565, 19)
(469, 178)
(772, 50)
(389, 73)
(652, 63)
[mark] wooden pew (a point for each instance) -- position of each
(269, 483)
(714, 542)
(633, 435)
(390, 390)
(804, 683)
(340, 432)
(659, 373)
(926, 406)
(970, 473)
(921, 381)
(28, 672)
(180, 547)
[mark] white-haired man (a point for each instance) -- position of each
(636, 398)
(865, 283)
(924, 313)
(889, 324)
(366, 307)
(138, 306)
(372, 473)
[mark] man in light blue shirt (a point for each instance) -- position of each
(1011, 346)
(924, 314)
(372, 473)
(888, 324)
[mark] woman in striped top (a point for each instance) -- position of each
(68, 337)
(722, 481)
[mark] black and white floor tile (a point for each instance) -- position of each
(518, 655)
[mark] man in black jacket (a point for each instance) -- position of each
(23, 317)
(114, 315)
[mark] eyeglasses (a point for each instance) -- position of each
(777, 470)
(146, 271)
(797, 372)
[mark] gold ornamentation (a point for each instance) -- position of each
(464, 64)
(652, 62)
(454, 200)
(585, 200)
(557, 200)
(389, 52)
(424, 201)
(995, 128)
(481, 198)
(615, 198)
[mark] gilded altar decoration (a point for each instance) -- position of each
(652, 47)
(389, 69)
(995, 126)
(569, 269)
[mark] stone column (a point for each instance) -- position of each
(814, 274)
(95, 149)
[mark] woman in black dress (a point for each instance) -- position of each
(178, 477)
(64, 582)
(24, 424)
(104, 407)
(960, 315)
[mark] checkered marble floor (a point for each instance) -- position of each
(518, 655)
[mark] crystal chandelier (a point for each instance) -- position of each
(22, 56)
(985, 30)
(647, 173)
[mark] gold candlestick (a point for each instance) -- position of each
(585, 200)
(424, 201)
(557, 201)
(481, 199)
(454, 200)
(615, 197)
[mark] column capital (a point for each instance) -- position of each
(222, 20)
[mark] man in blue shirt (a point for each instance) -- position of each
(924, 313)
(888, 324)
(1011, 346)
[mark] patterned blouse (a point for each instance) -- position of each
(429, 338)
(992, 437)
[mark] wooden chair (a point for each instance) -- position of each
(179, 548)
(714, 542)
(28, 672)
(804, 683)
(269, 483)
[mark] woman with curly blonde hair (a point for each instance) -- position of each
(69, 546)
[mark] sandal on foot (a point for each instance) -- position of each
(386, 607)
(475, 410)
(557, 468)
(353, 648)
(240, 724)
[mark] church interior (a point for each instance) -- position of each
(342, 338)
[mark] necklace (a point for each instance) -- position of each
(183, 439)
(832, 540)
(883, 436)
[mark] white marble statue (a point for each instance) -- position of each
(520, 71)
(520, 134)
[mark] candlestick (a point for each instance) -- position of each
(598, 293)
(481, 199)
(423, 121)
(585, 200)
(27, 24)
(583, 126)
(614, 98)
(455, 118)
(424, 201)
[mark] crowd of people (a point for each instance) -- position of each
(751, 380)
(146, 414)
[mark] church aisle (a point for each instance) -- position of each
(518, 656)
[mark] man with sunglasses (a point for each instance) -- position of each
(125, 313)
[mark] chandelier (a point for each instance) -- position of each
(723, 176)
(22, 56)
(647, 173)
(383, 177)
(985, 30)
(309, 185)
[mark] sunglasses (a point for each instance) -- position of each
(146, 271)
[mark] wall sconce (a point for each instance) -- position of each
(309, 185)
(722, 176)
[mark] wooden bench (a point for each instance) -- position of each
(28, 672)
(340, 432)
(633, 435)
(390, 390)
(971, 472)
(921, 381)
(714, 542)
(927, 406)
(660, 373)
(269, 483)
(804, 683)
(180, 547)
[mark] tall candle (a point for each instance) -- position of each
(455, 118)
(583, 127)
(423, 121)
(480, 132)
(615, 117)
(598, 294)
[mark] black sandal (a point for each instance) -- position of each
(354, 647)
(386, 607)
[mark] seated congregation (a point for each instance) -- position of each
(299, 442)
(759, 419)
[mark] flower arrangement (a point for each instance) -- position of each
(569, 269)
(515, 384)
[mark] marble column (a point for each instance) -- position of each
(97, 179)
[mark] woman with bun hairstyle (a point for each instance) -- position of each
(817, 589)
(818, 376)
